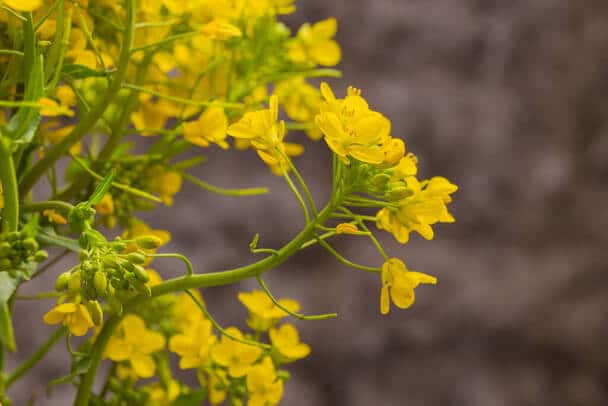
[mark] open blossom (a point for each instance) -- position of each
(134, 342)
(194, 344)
(237, 357)
(263, 386)
(210, 127)
(398, 284)
(351, 128)
(315, 44)
(287, 342)
(263, 313)
(426, 206)
(74, 316)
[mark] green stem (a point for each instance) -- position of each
(181, 257)
(296, 193)
(35, 358)
(221, 191)
(8, 177)
(88, 121)
(193, 282)
(57, 205)
(345, 261)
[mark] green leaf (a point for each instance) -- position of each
(8, 285)
(195, 398)
(47, 236)
(101, 189)
(75, 71)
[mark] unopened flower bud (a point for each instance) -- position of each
(74, 282)
(148, 242)
(136, 258)
(100, 281)
(30, 244)
(41, 256)
(347, 228)
(62, 281)
(140, 273)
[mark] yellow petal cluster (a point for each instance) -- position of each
(286, 340)
(237, 357)
(263, 386)
(314, 44)
(398, 284)
(74, 316)
(263, 313)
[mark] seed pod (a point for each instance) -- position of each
(95, 311)
(148, 242)
(141, 273)
(100, 282)
(74, 282)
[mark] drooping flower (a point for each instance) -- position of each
(287, 342)
(398, 284)
(74, 316)
(263, 386)
(134, 342)
(237, 357)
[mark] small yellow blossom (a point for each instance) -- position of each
(218, 382)
(53, 131)
(220, 30)
(133, 342)
(194, 344)
(399, 283)
(105, 207)
(426, 206)
(163, 394)
(185, 312)
(210, 127)
(314, 44)
(263, 386)
(287, 342)
(394, 150)
(50, 108)
(301, 102)
(351, 128)
(23, 5)
(234, 355)
(165, 182)
(74, 316)
(54, 217)
(263, 313)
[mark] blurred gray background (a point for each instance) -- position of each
(508, 99)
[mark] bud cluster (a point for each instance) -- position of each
(106, 270)
(382, 183)
(18, 249)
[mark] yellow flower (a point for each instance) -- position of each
(263, 313)
(351, 128)
(399, 283)
(315, 44)
(137, 229)
(287, 342)
(394, 150)
(54, 217)
(235, 356)
(163, 394)
(105, 207)
(262, 130)
(185, 312)
(23, 5)
(165, 182)
(50, 108)
(220, 30)
(218, 381)
(133, 342)
(263, 386)
(301, 102)
(53, 131)
(425, 207)
(210, 127)
(74, 316)
(194, 344)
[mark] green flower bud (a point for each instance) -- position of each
(62, 281)
(30, 244)
(100, 282)
(141, 273)
(74, 282)
(5, 248)
(136, 258)
(380, 180)
(119, 246)
(148, 242)
(12, 236)
(5, 263)
(95, 311)
(283, 375)
(398, 193)
(41, 256)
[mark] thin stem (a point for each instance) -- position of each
(49, 264)
(345, 261)
(39, 296)
(165, 41)
(314, 241)
(8, 178)
(223, 330)
(181, 257)
(13, 13)
(360, 220)
(286, 310)
(57, 205)
(11, 52)
(296, 193)
(87, 122)
(182, 100)
(35, 358)
(221, 191)
(300, 180)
